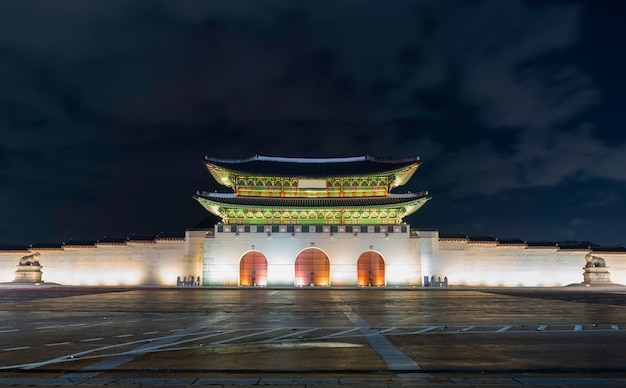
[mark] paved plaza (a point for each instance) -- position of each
(311, 337)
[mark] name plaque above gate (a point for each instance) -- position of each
(315, 184)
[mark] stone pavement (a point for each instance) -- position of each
(79, 336)
(298, 381)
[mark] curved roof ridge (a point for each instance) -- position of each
(320, 168)
(313, 160)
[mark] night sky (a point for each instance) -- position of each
(107, 109)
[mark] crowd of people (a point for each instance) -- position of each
(436, 282)
(188, 281)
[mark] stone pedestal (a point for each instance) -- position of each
(28, 274)
(596, 276)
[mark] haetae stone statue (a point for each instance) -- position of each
(596, 271)
(29, 270)
(594, 261)
(31, 260)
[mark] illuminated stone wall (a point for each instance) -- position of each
(616, 263)
(224, 252)
(467, 263)
(153, 262)
(408, 257)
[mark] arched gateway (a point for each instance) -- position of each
(371, 270)
(253, 269)
(312, 268)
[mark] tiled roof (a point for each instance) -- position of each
(44, 245)
(511, 241)
(575, 245)
(232, 199)
(79, 243)
(171, 236)
(7, 247)
(547, 243)
(483, 239)
(312, 168)
(112, 240)
(144, 238)
(612, 249)
(452, 236)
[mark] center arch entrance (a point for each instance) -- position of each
(253, 269)
(312, 268)
(371, 270)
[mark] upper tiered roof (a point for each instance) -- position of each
(327, 190)
(312, 168)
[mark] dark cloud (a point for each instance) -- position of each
(107, 107)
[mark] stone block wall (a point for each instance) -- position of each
(489, 263)
(616, 263)
(408, 257)
(223, 252)
(151, 263)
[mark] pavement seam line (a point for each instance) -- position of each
(84, 374)
(393, 357)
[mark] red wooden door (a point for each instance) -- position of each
(253, 269)
(371, 269)
(312, 268)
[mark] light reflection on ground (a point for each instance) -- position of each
(329, 331)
